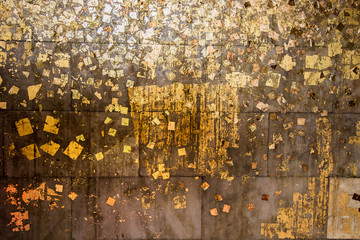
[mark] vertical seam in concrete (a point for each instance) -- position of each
(71, 79)
(3, 146)
(138, 140)
(327, 207)
(202, 210)
(267, 145)
(71, 210)
(36, 142)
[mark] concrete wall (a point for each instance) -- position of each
(149, 119)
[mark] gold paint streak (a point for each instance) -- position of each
(206, 141)
(343, 214)
(308, 214)
(325, 167)
(190, 106)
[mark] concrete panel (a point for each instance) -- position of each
(343, 210)
(255, 204)
(345, 146)
(35, 209)
(139, 208)
(113, 155)
(292, 145)
(20, 147)
(98, 83)
(36, 76)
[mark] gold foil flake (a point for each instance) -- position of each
(3, 105)
(171, 126)
(150, 145)
(73, 150)
(14, 90)
(301, 121)
(110, 201)
(81, 137)
(99, 156)
(33, 90)
(226, 208)
(127, 149)
(125, 121)
(214, 212)
(166, 175)
(218, 197)
(50, 148)
(205, 185)
(316, 62)
(108, 120)
(334, 49)
(59, 188)
(112, 132)
(181, 152)
(24, 127)
(287, 63)
(156, 174)
(124, 110)
(62, 60)
(72, 196)
(51, 125)
(31, 152)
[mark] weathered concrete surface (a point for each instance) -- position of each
(292, 144)
(345, 146)
(144, 208)
(115, 115)
(29, 203)
(343, 213)
(248, 207)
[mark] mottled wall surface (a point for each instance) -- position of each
(179, 119)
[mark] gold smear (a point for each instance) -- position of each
(18, 219)
(355, 139)
(63, 60)
(3, 57)
(51, 192)
(179, 202)
(148, 199)
(197, 108)
(34, 194)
